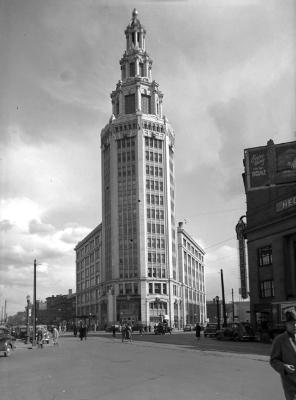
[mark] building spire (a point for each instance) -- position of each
(136, 91)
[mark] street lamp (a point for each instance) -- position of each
(157, 301)
(218, 311)
(28, 322)
(34, 305)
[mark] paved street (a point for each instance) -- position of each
(188, 339)
(104, 368)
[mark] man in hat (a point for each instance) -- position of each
(283, 356)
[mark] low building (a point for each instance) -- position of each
(57, 310)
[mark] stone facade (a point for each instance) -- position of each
(139, 278)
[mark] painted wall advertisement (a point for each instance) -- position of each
(286, 160)
(257, 167)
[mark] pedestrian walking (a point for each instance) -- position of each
(283, 356)
(129, 332)
(197, 331)
(75, 330)
(82, 331)
(40, 338)
(55, 336)
(85, 331)
(113, 330)
(123, 329)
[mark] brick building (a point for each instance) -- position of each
(270, 185)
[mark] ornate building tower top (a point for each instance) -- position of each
(135, 34)
(135, 92)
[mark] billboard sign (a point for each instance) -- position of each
(271, 164)
(257, 168)
(286, 161)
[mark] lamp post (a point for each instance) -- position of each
(28, 323)
(157, 301)
(218, 311)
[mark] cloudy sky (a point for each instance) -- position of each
(227, 71)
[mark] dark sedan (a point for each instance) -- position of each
(6, 341)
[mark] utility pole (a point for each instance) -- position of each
(5, 312)
(232, 305)
(223, 300)
(34, 307)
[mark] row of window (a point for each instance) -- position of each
(86, 273)
(157, 288)
(192, 249)
(128, 288)
(155, 243)
(154, 171)
(132, 68)
(127, 170)
(87, 283)
(154, 199)
(154, 185)
(88, 247)
(156, 272)
(125, 142)
(128, 274)
(126, 156)
(156, 257)
(152, 142)
(86, 262)
(152, 156)
(155, 228)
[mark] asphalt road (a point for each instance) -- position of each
(188, 339)
(104, 368)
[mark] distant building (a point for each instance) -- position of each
(238, 311)
(89, 286)
(270, 185)
(58, 310)
(191, 303)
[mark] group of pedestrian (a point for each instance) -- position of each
(126, 332)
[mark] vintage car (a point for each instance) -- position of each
(210, 329)
(161, 329)
(6, 341)
(188, 328)
(238, 331)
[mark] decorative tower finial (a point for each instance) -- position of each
(135, 14)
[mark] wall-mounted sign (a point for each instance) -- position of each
(286, 160)
(270, 165)
(285, 204)
(257, 169)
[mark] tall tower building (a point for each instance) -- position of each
(138, 191)
(127, 268)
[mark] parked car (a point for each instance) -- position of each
(188, 328)
(210, 329)
(238, 331)
(109, 328)
(6, 341)
(161, 329)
